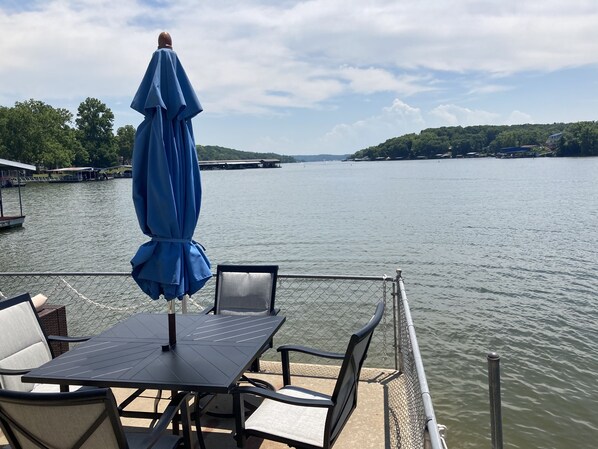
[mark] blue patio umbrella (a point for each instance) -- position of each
(166, 183)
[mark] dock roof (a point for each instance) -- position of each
(12, 164)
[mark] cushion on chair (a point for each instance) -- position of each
(23, 344)
(304, 424)
(51, 388)
(42, 421)
(242, 293)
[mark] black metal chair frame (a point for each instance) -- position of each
(26, 297)
(342, 405)
(271, 269)
(255, 366)
(83, 397)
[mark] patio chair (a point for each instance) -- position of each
(25, 345)
(305, 418)
(243, 290)
(246, 290)
(86, 419)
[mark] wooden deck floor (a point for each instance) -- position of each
(365, 429)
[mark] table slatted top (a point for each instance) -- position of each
(211, 354)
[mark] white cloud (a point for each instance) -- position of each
(371, 80)
(394, 120)
(455, 115)
(452, 115)
(302, 48)
(518, 117)
(264, 57)
(489, 89)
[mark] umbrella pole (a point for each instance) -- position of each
(171, 324)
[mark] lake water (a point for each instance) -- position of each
(497, 255)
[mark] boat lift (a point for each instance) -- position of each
(14, 220)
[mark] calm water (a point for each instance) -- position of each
(497, 255)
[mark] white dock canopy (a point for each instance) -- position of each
(19, 165)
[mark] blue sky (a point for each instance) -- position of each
(308, 77)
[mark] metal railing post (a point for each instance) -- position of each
(495, 404)
(398, 328)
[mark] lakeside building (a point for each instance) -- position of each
(517, 152)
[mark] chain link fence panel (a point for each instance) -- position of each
(321, 312)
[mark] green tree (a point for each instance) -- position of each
(94, 132)
(429, 144)
(37, 133)
(4, 112)
(216, 153)
(579, 139)
(125, 140)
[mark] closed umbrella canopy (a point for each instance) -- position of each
(166, 182)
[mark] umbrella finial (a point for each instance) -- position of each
(164, 40)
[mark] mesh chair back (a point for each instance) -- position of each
(24, 344)
(345, 391)
(245, 289)
(82, 419)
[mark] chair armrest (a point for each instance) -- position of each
(269, 394)
(167, 416)
(66, 339)
(14, 372)
(286, 363)
(311, 351)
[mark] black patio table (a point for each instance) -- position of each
(211, 354)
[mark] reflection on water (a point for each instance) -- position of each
(497, 255)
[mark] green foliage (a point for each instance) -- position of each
(579, 139)
(125, 140)
(37, 133)
(94, 132)
(216, 153)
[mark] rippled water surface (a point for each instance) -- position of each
(497, 255)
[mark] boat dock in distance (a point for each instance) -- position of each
(239, 164)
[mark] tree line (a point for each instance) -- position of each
(216, 153)
(576, 139)
(36, 133)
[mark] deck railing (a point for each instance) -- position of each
(320, 311)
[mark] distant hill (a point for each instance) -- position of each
(320, 157)
(216, 153)
(555, 139)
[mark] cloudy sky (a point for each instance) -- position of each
(309, 77)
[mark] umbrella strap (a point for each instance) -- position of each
(164, 239)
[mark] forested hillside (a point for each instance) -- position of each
(36, 133)
(216, 153)
(578, 139)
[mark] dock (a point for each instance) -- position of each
(239, 164)
(13, 221)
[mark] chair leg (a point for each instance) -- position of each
(202, 443)
(156, 403)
